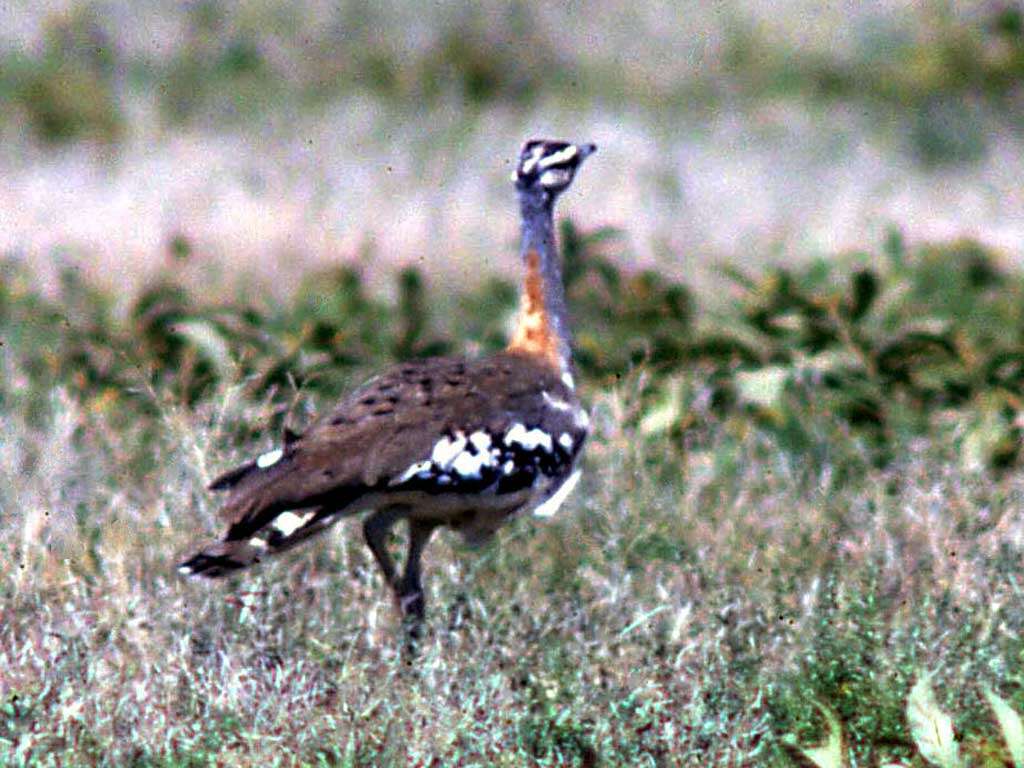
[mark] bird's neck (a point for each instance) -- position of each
(543, 327)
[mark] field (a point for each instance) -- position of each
(798, 539)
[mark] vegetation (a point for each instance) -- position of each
(934, 71)
(870, 351)
(798, 540)
(796, 503)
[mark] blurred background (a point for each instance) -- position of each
(261, 139)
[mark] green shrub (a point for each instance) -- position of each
(67, 92)
(836, 361)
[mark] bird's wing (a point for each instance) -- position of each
(398, 430)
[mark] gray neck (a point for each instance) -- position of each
(538, 230)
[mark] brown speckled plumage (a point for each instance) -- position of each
(465, 443)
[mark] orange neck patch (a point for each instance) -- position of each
(534, 334)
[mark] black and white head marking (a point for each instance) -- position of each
(549, 165)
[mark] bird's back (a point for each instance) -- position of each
(444, 435)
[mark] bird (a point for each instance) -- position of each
(457, 442)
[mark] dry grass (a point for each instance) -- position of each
(679, 612)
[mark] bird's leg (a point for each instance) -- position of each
(375, 531)
(409, 590)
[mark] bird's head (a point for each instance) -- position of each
(546, 168)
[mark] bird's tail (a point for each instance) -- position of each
(284, 531)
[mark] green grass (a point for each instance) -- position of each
(844, 361)
(741, 552)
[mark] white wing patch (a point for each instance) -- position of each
(270, 458)
(556, 402)
(445, 450)
(530, 440)
(549, 507)
(467, 458)
(288, 523)
(480, 440)
(469, 465)
(418, 468)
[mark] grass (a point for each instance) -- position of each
(713, 587)
(691, 622)
(799, 502)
